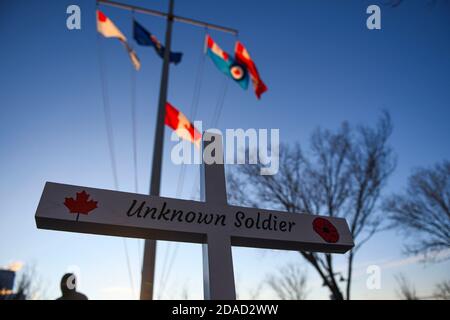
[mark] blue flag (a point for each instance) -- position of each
(226, 64)
(145, 38)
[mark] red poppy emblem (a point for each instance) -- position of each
(326, 230)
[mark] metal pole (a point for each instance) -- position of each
(165, 15)
(148, 265)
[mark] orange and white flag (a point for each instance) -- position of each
(109, 30)
(181, 125)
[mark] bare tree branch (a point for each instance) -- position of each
(442, 291)
(406, 290)
(28, 285)
(289, 283)
(422, 212)
(342, 176)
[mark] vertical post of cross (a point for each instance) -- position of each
(218, 275)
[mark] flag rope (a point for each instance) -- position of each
(133, 122)
(135, 157)
(134, 138)
(130, 274)
(193, 113)
(214, 122)
(181, 177)
(163, 271)
(107, 113)
(110, 137)
(219, 106)
(172, 260)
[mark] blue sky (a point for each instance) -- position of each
(321, 64)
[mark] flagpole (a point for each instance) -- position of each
(148, 264)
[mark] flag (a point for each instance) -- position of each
(242, 56)
(145, 38)
(109, 30)
(226, 64)
(181, 125)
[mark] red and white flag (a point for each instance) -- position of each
(242, 56)
(109, 30)
(181, 125)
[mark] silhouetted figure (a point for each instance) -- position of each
(69, 288)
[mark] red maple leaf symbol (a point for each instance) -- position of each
(82, 204)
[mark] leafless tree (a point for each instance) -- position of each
(28, 285)
(422, 213)
(342, 176)
(443, 291)
(255, 293)
(406, 290)
(289, 283)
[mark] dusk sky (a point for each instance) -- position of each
(322, 67)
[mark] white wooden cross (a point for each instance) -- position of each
(213, 222)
